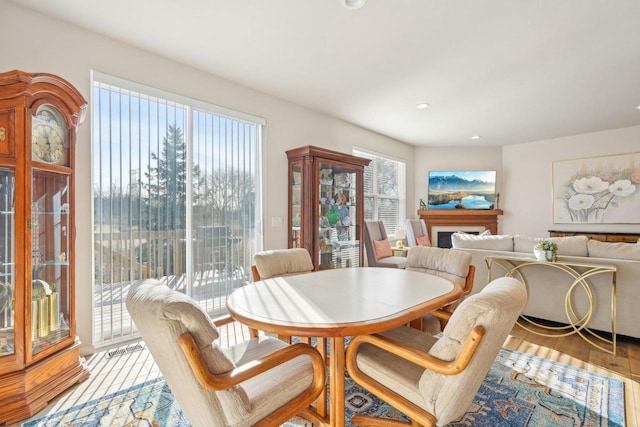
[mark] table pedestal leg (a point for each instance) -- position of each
(336, 381)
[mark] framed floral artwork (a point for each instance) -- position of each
(597, 190)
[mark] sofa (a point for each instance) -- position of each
(547, 287)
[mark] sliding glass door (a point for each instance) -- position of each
(176, 191)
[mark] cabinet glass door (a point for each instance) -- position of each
(7, 265)
(339, 246)
(50, 272)
(296, 205)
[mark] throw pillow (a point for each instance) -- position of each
(423, 241)
(382, 248)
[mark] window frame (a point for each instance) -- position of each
(401, 198)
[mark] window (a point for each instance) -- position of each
(384, 190)
(176, 198)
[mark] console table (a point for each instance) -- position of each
(578, 324)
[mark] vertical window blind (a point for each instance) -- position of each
(384, 190)
(176, 197)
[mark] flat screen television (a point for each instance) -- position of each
(461, 190)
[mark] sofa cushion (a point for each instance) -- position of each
(382, 248)
(524, 243)
(473, 241)
(599, 249)
(571, 245)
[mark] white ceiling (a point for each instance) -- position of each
(511, 71)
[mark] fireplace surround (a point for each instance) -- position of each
(440, 222)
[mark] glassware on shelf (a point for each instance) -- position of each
(333, 216)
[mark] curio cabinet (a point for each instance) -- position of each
(326, 206)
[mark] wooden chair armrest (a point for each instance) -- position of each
(225, 319)
(442, 314)
(249, 370)
(235, 376)
(418, 357)
(254, 273)
(468, 283)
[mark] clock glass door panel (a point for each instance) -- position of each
(7, 265)
(50, 268)
(50, 137)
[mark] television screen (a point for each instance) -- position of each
(462, 189)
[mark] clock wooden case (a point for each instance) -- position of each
(39, 350)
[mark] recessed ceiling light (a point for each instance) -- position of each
(353, 4)
(476, 137)
(638, 107)
(422, 105)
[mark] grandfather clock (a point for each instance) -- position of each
(39, 350)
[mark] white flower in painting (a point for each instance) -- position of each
(590, 185)
(622, 187)
(581, 201)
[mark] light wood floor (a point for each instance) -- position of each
(111, 373)
(574, 351)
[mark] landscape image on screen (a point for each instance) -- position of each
(462, 189)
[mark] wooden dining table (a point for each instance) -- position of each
(338, 303)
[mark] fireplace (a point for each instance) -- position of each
(441, 236)
(441, 224)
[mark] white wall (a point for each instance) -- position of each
(527, 188)
(35, 43)
(453, 158)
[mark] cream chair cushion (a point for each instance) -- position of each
(448, 397)
(162, 315)
(450, 264)
(282, 262)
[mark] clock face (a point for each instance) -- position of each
(49, 138)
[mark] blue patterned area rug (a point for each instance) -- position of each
(519, 390)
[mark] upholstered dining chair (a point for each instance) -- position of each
(280, 262)
(433, 380)
(261, 382)
(417, 234)
(451, 264)
(378, 248)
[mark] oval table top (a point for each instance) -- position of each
(340, 302)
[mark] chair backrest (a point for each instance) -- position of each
(415, 228)
(496, 308)
(374, 230)
(450, 264)
(162, 315)
(282, 262)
